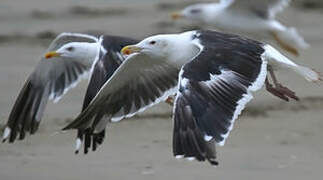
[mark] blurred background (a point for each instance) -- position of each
(271, 140)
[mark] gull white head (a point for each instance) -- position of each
(199, 12)
(169, 47)
(155, 46)
(76, 50)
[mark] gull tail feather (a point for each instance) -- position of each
(309, 74)
(276, 59)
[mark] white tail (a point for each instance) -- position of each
(309, 74)
(276, 59)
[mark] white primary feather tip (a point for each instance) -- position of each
(6, 134)
(190, 158)
(207, 138)
(78, 144)
(179, 156)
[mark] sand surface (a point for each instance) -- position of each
(271, 140)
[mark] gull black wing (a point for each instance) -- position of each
(213, 90)
(109, 60)
(51, 79)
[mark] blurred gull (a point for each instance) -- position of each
(254, 18)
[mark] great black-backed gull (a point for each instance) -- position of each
(254, 18)
(109, 60)
(69, 58)
(213, 74)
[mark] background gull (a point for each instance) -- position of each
(253, 18)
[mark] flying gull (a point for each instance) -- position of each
(109, 60)
(253, 18)
(213, 75)
(69, 58)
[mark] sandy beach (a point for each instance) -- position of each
(271, 140)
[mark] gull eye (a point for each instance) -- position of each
(152, 42)
(70, 48)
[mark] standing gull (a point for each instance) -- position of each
(69, 58)
(212, 73)
(254, 18)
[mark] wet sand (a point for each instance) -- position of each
(271, 140)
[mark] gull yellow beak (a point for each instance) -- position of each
(52, 54)
(127, 50)
(176, 15)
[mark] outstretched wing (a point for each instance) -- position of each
(50, 80)
(137, 84)
(67, 37)
(108, 62)
(213, 90)
(264, 8)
